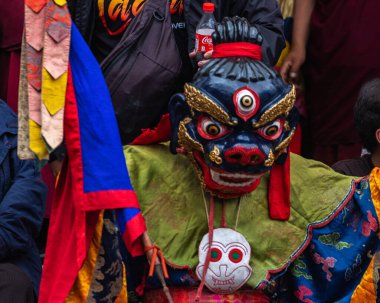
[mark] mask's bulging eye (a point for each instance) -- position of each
(272, 131)
(246, 102)
(210, 129)
(235, 255)
(216, 254)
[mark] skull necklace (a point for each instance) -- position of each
(226, 260)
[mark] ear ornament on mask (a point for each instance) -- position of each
(178, 110)
(271, 158)
(281, 148)
(184, 139)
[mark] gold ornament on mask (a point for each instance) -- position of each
(197, 169)
(214, 156)
(285, 143)
(286, 126)
(184, 138)
(281, 108)
(269, 162)
(201, 103)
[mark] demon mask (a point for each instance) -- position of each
(236, 118)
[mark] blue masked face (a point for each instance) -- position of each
(233, 129)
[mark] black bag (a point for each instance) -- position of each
(143, 70)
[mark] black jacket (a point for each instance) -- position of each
(265, 14)
(22, 201)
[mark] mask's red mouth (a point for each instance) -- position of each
(226, 184)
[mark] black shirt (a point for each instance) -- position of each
(359, 167)
(114, 16)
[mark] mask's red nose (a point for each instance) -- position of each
(244, 156)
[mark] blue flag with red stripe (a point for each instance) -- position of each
(94, 176)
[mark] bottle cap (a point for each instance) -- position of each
(208, 7)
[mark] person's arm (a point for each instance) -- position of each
(22, 208)
(266, 16)
(296, 57)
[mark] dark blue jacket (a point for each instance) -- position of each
(22, 201)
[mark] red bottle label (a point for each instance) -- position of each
(203, 43)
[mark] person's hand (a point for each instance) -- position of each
(192, 54)
(292, 64)
(206, 57)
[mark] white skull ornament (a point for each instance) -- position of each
(229, 264)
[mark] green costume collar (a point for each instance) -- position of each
(171, 201)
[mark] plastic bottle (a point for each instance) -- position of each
(204, 30)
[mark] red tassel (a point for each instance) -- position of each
(208, 257)
(279, 191)
(295, 144)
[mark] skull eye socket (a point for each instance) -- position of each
(216, 254)
(235, 255)
(210, 129)
(272, 131)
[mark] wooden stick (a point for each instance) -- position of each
(157, 267)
